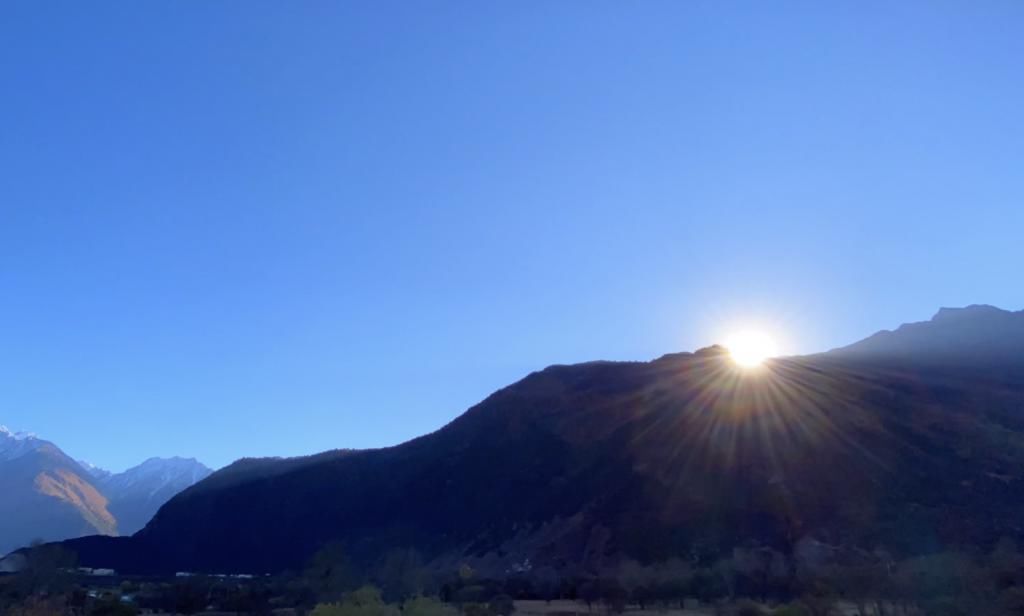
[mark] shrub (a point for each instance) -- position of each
(426, 606)
(365, 601)
(37, 606)
(792, 609)
(745, 607)
(501, 605)
(476, 609)
(113, 607)
(474, 593)
(945, 606)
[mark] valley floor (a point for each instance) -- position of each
(578, 608)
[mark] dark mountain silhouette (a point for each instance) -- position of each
(875, 446)
(976, 334)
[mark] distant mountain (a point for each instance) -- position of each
(46, 495)
(17, 444)
(94, 471)
(976, 334)
(871, 449)
(136, 494)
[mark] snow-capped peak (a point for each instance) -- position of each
(17, 436)
(92, 469)
(16, 444)
(158, 474)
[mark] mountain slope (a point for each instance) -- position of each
(976, 334)
(577, 466)
(46, 494)
(136, 494)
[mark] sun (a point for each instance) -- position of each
(750, 348)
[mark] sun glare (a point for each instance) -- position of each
(750, 348)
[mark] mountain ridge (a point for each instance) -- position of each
(50, 496)
(47, 495)
(686, 455)
(975, 332)
(138, 492)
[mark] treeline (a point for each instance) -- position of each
(812, 581)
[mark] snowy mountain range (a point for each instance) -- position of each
(16, 444)
(137, 493)
(48, 495)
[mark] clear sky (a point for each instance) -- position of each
(274, 228)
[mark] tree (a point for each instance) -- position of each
(1012, 600)
(791, 609)
(474, 593)
(547, 583)
(401, 574)
(944, 582)
(426, 606)
(365, 601)
(189, 597)
(46, 571)
(725, 571)
(247, 600)
(614, 595)
(38, 606)
(501, 605)
(637, 580)
(589, 592)
(672, 581)
(860, 584)
(818, 604)
(1006, 564)
(641, 595)
(747, 607)
(709, 584)
(112, 606)
(329, 573)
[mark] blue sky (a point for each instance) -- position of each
(271, 228)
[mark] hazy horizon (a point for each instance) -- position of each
(311, 227)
